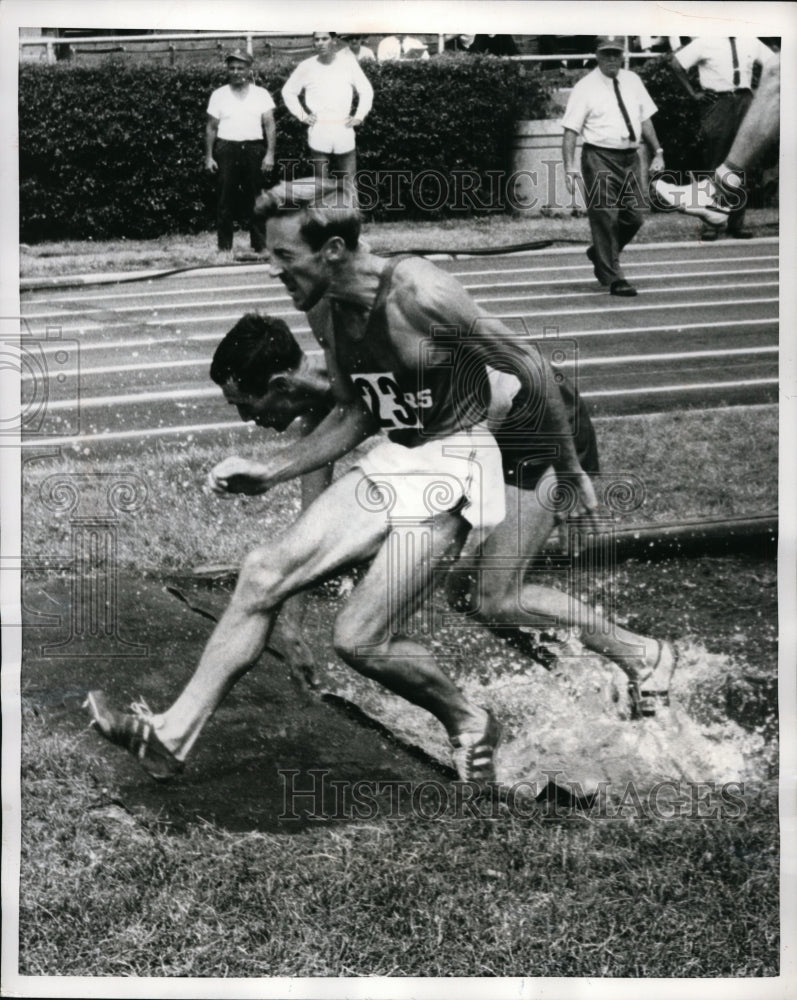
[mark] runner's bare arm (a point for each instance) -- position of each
(313, 483)
(424, 298)
(347, 424)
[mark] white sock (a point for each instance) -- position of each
(728, 176)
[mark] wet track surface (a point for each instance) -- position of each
(125, 362)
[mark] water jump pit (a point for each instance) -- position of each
(566, 714)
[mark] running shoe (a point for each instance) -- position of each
(134, 732)
(701, 198)
(473, 753)
(649, 694)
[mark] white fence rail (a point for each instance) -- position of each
(49, 43)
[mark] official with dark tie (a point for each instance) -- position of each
(612, 111)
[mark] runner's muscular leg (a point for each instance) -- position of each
(334, 531)
(371, 631)
(507, 598)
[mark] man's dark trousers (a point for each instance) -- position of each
(614, 197)
(718, 128)
(239, 169)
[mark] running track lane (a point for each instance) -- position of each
(128, 362)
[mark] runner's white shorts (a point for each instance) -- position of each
(462, 471)
(331, 136)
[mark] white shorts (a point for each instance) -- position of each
(331, 137)
(463, 470)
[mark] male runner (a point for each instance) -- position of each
(417, 346)
(263, 372)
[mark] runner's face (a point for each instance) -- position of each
(278, 408)
(302, 270)
(610, 61)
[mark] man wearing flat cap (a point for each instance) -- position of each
(240, 141)
(612, 111)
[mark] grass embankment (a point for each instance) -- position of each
(454, 235)
(682, 458)
(105, 893)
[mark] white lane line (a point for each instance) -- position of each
(145, 293)
(624, 359)
(191, 429)
(636, 264)
(702, 386)
(581, 363)
(658, 291)
(93, 402)
(226, 318)
(138, 344)
(203, 362)
(638, 308)
(547, 282)
(263, 301)
(201, 271)
(163, 395)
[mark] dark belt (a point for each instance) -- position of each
(716, 95)
(608, 149)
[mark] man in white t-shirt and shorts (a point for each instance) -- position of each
(240, 143)
(327, 84)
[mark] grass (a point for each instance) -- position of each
(73, 257)
(108, 893)
(684, 459)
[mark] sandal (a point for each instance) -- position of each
(134, 732)
(647, 700)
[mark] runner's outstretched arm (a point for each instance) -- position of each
(347, 424)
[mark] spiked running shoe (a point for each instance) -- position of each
(134, 732)
(701, 198)
(651, 693)
(474, 753)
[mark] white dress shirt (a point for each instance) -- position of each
(593, 111)
(714, 60)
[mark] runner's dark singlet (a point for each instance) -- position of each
(411, 402)
(416, 403)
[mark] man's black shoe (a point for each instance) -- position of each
(740, 234)
(622, 287)
(709, 236)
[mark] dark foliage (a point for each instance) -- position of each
(116, 150)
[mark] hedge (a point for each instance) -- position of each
(117, 150)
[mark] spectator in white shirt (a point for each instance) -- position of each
(239, 116)
(360, 52)
(725, 68)
(612, 111)
(328, 82)
(393, 48)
